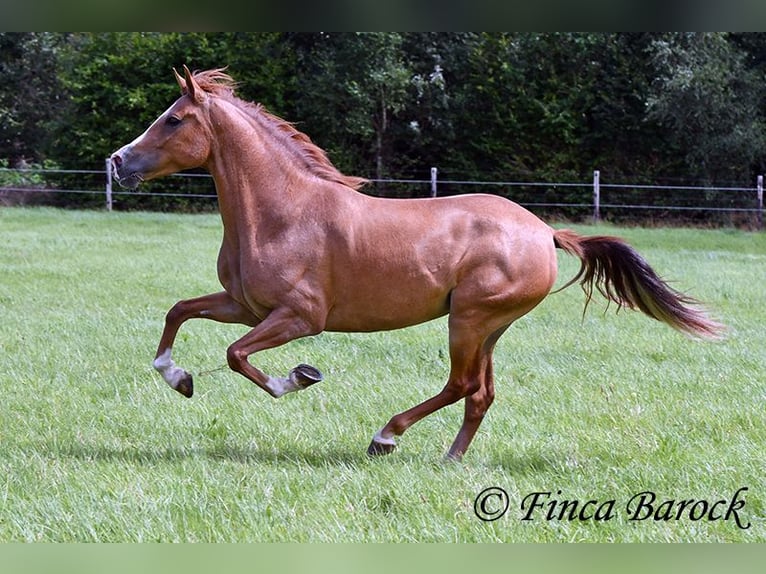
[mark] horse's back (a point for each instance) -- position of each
(399, 262)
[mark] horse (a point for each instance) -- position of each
(305, 251)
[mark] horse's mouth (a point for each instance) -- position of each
(130, 181)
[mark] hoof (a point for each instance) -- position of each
(305, 375)
(185, 386)
(380, 448)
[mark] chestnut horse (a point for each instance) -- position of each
(304, 251)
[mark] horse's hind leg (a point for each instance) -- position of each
(478, 403)
(476, 406)
(464, 380)
(218, 307)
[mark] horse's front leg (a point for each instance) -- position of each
(279, 327)
(218, 307)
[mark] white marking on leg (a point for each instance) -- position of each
(280, 386)
(167, 368)
(384, 438)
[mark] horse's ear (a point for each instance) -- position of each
(192, 88)
(180, 80)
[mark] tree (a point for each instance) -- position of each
(617, 137)
(119, 82)
(351, 88)
(708, 101)
(480, 106)
(31, 94)
(425, 136)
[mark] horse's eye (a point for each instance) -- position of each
(173, 121)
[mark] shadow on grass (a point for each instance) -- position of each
(322, 457)
(528, 464)
(143, 456)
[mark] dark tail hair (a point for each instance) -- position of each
(622, 276)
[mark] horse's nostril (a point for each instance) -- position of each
(116, 160)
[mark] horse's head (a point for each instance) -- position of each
(177, 140)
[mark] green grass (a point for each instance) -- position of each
(95, 447)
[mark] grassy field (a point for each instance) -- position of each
(95, 447)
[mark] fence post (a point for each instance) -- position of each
(759, 213)
(596, 196)
(108, 184)
(434, 172)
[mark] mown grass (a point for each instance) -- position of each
(95, 447)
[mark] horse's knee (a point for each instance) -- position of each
(488, 397)
(477, 404)
(177, 313)
(459, 388)
(235, 357)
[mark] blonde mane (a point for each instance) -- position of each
(314, 158)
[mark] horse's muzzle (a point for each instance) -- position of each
(122, 173)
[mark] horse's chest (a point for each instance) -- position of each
(252, 280)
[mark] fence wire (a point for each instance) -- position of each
(571, 199)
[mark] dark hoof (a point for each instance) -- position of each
(185, 386)
(306, 375)
(380, 448)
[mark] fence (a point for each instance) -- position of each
(587, 199)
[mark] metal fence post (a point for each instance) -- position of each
(434, 172)
(596, 196)
(108, 184)
(759, 213)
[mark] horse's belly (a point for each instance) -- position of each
(364, 321)
(386, 306)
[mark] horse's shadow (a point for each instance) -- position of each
(249, 455)
(523, 465)
(320, 458)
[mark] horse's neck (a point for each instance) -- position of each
(251, 179)
(246, 203)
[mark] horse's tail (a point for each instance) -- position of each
(622, 276)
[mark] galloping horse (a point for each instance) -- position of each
(304, 251)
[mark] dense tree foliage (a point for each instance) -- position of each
(30, 94)
(482, 106)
